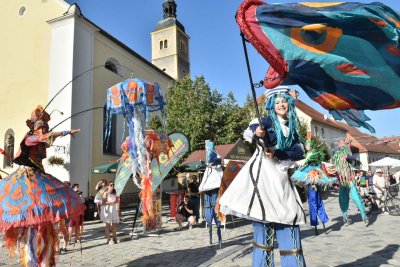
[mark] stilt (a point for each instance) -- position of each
(219, 237)
(316, 230)
(210, 232)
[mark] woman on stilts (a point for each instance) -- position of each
(262, 190)
(209, 188)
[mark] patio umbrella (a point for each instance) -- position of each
(395, 168)
(106, 168)
(385, 162)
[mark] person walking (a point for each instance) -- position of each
(379, 183)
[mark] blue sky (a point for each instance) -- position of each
(216, 50)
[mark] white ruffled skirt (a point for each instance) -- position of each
(275, 198)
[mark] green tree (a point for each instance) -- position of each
(189, 109)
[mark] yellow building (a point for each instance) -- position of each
(49, 45)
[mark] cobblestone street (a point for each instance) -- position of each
(353, 245)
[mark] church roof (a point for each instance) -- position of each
(169, 22)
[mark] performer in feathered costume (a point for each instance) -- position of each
(345, 173)
(209, 186)
(262, 190)
(316, 179)
(32, 201)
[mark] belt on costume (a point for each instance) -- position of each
(281, 252)
(263, 247)
(208, 207)
(291, 252)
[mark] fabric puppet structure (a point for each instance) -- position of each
(32, 201)
(345, 172)
(135, 99)
(302, 41)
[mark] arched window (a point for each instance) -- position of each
(165, 43)
(9, 144)
(161, 44)
(113, 65)
(183, 47)
(21, 11)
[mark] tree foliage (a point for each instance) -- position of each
(201, 113)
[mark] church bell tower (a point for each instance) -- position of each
(170, 44)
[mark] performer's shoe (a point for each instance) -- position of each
(219, 237)
(347, 222)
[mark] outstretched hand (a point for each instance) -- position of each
(74, 132)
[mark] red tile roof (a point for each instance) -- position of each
(222, 150)
(317, 116)
(366, 142)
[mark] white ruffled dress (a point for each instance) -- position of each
(276, 198)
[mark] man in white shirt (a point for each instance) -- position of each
(379, 187)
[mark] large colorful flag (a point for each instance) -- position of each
(344, 55)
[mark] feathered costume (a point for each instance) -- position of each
(263, 192)
(32, 201)
(316, 179)
(209, 187)
(345, 174)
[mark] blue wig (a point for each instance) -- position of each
(284, 143)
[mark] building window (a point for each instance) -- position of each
(161, 45)
(113, 65)
(316, 131)
(165, 43)
(183, 47)
(21, 11)
(110, 143)
(322, 133)
(9, 143)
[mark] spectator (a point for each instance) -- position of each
(185, 213)
(369, 177)
(101, 187)
(379, 188)
(392, 179)
(193, 192)
(363, 184)
(76, 223)
(109, 212)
